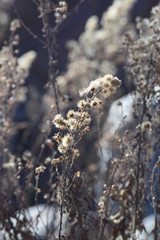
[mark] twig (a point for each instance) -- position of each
(27, 28)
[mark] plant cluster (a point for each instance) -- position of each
(61, 167)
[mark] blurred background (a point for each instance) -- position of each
(71, 38)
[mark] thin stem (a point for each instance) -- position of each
(27, 28)
(64, 187)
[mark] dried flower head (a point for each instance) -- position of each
(95, 102)
(40, 169)
(66, 144)
(82, 104)
(60, 122)
(106, 85)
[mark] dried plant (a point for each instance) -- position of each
(86, 197)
